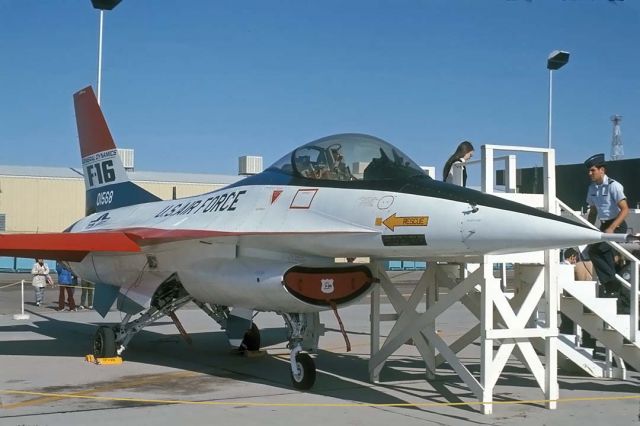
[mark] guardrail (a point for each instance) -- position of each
(635, 269)
(550, 203)
(21, 315)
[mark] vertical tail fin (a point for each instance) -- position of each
(106, 181)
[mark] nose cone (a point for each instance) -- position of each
(499, 230)
(494, 225)
(488, 224)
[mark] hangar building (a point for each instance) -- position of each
(49, 199)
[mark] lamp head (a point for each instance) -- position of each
(557, 59)
(105, 4)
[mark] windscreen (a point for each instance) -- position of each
(348, 157)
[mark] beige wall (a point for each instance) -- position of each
(41, 204)
(164, 190)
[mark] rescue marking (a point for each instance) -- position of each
(392, 221)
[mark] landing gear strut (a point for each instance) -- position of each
(112, 341)
(304, 332)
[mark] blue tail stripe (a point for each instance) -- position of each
(117, 195)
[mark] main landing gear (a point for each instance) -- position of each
(248, 340)
(251, 339)
(104, 342)
(304, 332)
(111, 341)
(170, 296)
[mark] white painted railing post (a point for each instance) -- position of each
(634, 303)
(374, 373)
(550, 203)
(487, 169)
(510, 177)
(551, 296)
(21, 315)
(486, 326)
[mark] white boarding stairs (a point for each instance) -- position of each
(599, 317)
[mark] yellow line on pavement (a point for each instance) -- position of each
(303, 404)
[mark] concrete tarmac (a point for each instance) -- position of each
(44, 379)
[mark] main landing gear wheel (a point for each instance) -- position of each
(251, 339)
(306, 375)
(104, 342)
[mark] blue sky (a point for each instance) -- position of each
(192, 85)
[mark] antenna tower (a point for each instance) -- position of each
(617, 150)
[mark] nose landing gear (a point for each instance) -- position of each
(304, 333)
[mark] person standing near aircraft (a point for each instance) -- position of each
(581, 272)
(40, 272)
(65, 283)
(608, 203)
(86, 297)
(569, 257)
(463, 153)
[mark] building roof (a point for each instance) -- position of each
(38, 171)
(140, 176)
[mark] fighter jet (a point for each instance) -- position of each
(270, 241)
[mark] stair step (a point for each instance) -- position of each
(613, 333)
(601, 307)
(630, 352)
(580, 288)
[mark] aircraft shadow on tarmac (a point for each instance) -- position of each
(210, 354)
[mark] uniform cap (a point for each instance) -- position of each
(595, 160)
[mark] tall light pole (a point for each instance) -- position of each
(556, 60)
(102, 5)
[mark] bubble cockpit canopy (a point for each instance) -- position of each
(348, 157)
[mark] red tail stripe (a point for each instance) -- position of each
(93, 131)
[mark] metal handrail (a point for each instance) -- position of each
(635, 273)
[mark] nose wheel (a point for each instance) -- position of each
(303, 369)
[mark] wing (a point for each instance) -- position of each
(65, 246)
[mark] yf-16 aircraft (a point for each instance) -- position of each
(269, 242)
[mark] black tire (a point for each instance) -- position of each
(251, 339)
(307, 376)
(104, 342)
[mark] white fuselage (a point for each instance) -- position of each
(232, 246)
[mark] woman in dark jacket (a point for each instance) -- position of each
(65, 283)
(463, 153)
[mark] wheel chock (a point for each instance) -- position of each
(116, 360)
(254, 354)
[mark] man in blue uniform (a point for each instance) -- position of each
(607, 203)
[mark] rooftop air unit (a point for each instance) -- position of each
(127, 158)
(249, 165)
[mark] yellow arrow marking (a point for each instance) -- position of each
(392, 221)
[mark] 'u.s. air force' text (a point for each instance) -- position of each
(217, 203)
